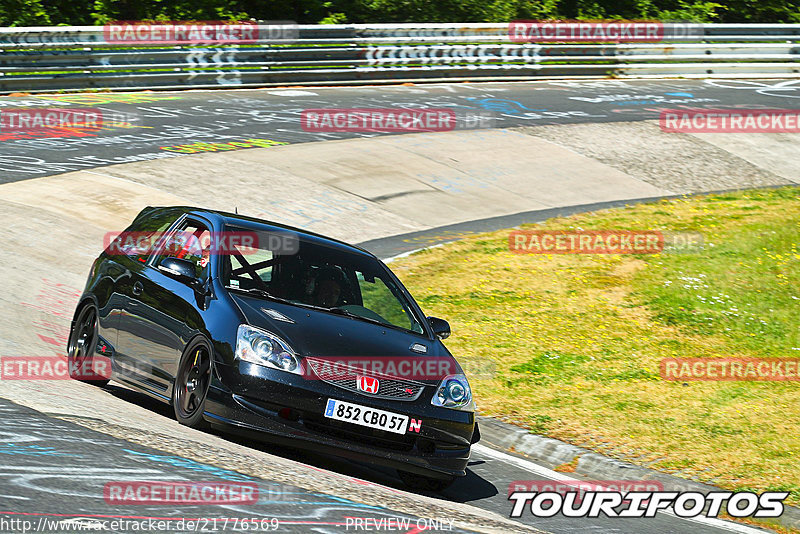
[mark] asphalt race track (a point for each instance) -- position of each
(35, 475)
(159, 125)
(61, 442)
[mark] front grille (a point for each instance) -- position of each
(346, 377)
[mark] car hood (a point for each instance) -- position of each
(317, 333)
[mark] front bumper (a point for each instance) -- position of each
(271, 405)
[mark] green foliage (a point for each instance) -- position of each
(23, 13)
(177, 10)
(334, 18)
(697, 12)
(86, 12)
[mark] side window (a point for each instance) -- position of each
(377, 297)
(139, 239)
(192, 242)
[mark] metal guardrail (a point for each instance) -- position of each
(63, 58)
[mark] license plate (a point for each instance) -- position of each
(366, 416)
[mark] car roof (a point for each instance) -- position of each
(224, 217)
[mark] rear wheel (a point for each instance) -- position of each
(423, 483)
(191, 384)
(82, 362)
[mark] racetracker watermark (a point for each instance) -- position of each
(393, 120)
(98, 367)
(197, 32)
(405, 367)
(730, 121)
(155, 492)
(562, 487)
(535, 31)
(731, 369)
(182, 243)
(15, 120)
(602, 242)
(647, 503)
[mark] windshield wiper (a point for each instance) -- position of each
(346, 313)
(262, 293)
(266, 294)
(337, 311)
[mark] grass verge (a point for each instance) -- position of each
(570, 345)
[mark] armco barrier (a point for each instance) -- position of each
(62, 58)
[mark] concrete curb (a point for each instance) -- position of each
(551, 453)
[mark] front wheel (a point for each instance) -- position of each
(81, 360)
(191, 384)
(423, 483)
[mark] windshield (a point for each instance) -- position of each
(324, 277)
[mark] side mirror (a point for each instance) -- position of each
(180, 270)
(440, 327)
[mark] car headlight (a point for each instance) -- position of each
(265, 348)
(454, 392)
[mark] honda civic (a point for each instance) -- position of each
(278, 334)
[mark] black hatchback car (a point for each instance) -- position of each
(279, 334)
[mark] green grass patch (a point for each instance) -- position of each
(570, 345)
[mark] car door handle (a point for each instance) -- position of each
(138, 288)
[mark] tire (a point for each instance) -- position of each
(191, 384)
(422, 483)
(81, 357)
